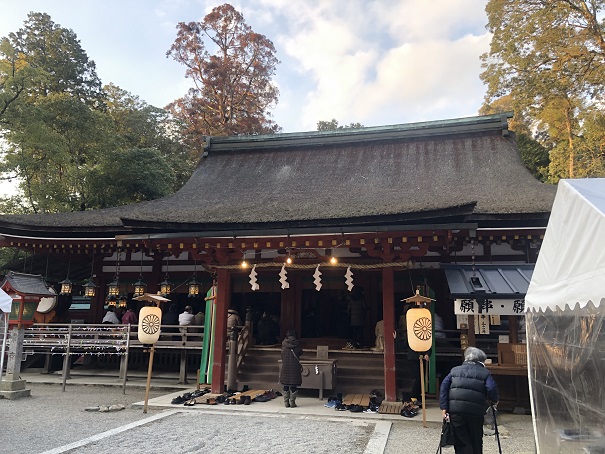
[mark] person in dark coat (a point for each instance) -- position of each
(462, 398)
(357, 312)
(171, 317)
(290, 375)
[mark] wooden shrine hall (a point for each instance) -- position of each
(314, 215)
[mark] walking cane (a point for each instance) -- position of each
(496, 433)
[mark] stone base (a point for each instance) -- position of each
(13, 389)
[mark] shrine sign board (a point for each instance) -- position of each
(488, 306)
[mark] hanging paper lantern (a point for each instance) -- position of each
(150, 319)
(420, 329)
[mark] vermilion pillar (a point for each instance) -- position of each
(388, 310)
(223, 302)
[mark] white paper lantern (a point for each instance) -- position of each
(420, 329)
(150, 319)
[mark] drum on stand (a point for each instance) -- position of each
(47, 303)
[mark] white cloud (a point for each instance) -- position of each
(386, 62)
(374, 62)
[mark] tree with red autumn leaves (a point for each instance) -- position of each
(231, 67)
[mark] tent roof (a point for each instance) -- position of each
(571, 265)
(462, 170)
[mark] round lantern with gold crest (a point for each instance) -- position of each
(419, 323)
(150, 320)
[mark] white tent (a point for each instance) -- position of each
(565, 323)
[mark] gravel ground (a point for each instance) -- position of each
(516, 436)
(51, 419)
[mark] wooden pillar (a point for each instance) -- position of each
(513, 329)
(223, 302)
(388, 311)
(97, 305)
(156, 273)
(291, 302)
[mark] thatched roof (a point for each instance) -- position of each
(465, 169)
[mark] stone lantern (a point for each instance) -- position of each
(26, 290)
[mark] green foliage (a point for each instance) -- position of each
(548, 60)
(231, 67)
(67, 139)
(534, 156)
(332, 125)
(127, 176)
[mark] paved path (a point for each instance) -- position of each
(55, 422)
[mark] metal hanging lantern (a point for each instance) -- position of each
(90, 288)
(194, 288)
(166, 285)
(66, 284)
(113, 289)
(122, 301)
(112, 300)
(140, 287)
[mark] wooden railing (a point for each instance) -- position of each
(244, 341)
(104, 340)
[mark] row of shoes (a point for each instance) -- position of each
(352, 346)
(189, 396)
(242, 400)
(267, 396)
(409, 410)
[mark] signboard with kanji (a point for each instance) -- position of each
(489, 307)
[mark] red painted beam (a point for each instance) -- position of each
(388, 310)
(223, 302)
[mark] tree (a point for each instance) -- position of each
(548, 56)
(43, 58)
(231, 68)
(332, 125)
(136, 175)
(66, 139)
(136, 124)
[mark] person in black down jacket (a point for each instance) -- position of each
(290, 375)
(463, 397)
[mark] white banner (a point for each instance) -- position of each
(489, 307)
(6, 301)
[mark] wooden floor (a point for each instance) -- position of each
(357, 399)
(390, 408)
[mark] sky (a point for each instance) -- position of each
(380, 62)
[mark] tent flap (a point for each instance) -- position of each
(571, 265)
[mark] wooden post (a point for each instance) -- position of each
(149, 369)
(388, 311)
(66, 360)
(421, 359)
(125, 357)
(223, 301)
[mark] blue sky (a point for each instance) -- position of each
(375, 62)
